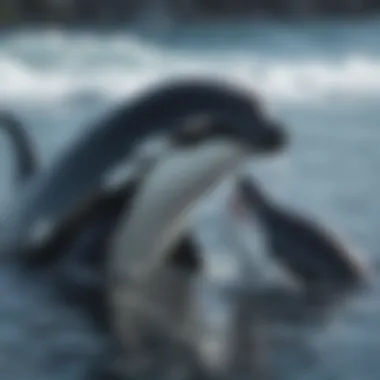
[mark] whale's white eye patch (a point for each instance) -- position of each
(197, 123)
(194, 129)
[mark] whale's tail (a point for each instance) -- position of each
(25, 155)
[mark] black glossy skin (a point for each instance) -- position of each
(74, 256)
(309, 250)
(80, 240)
(76, 253)
(79, 245)
(75, 175)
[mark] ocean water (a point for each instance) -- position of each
(321, 79)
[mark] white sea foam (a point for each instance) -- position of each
(58, 67)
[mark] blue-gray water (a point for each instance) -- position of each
(322, 80)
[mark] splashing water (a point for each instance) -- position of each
(323, 80)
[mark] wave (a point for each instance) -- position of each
(57, 68)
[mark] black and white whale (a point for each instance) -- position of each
(56, 191)
(193, 185)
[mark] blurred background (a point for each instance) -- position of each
(316, 63)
